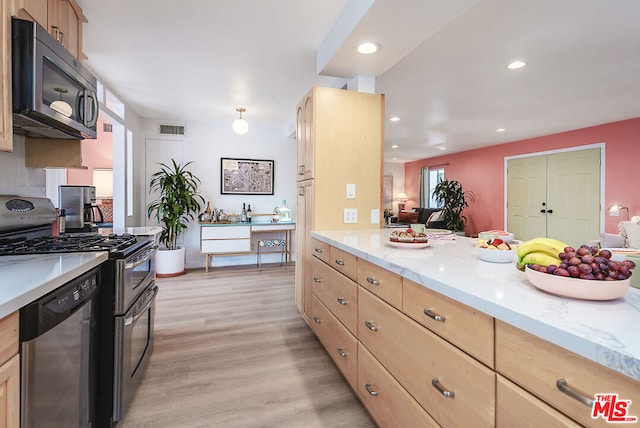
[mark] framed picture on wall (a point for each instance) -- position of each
(246, 176)
(388, 191)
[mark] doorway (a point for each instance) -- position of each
(556, 194)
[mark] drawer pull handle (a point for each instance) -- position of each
(427, 312)
(342, 301)
(316, 279)
(339, 262)
(301, 170)
(342, 353)
(317, 320)
(564, 387)
(373, 281)
(370, 326)
(436, 384)
(318, 250)
(367, 386)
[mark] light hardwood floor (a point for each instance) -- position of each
(231, 351)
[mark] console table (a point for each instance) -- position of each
(231, 239)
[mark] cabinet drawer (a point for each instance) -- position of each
(423, 362)
(344, 262)
(339, 343)
(465, 327)
(321, 250)
(537, 365)
(226, 246)
(381, 282)
(515, 407)
(337, 292)
(225, 232)
(384, 397)
(8, 337)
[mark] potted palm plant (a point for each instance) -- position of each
(453, 199)
(177, 204)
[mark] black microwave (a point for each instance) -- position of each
(54, 96)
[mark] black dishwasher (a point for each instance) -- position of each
(58, 347)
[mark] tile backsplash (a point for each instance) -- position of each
(15, 177)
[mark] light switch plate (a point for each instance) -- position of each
(375, 216)
(350, 215)
(351, 191)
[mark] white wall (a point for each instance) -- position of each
(205, 144)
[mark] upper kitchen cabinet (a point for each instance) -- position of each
(6, 121)
(62, 18)
(305, 137)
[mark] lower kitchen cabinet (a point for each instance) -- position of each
(515, 407)
(387, 401)
(337, 292)
(562, 379)
(341, 345)
(9, 372)
(454, 388)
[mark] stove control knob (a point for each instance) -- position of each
(76, 294)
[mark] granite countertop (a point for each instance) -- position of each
(26, 278)
(602, 331)
(253, 223)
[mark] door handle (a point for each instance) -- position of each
(543, 211)
(550, 211)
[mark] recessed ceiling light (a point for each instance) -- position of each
(394, 158)
(516, 65)
(500, 130)
(394, 119)
(442, 148)
(395, 146)
(368, 48)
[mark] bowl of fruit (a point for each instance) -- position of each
(502, 234)
(496, 251)
(584, 273)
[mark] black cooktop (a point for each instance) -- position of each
(70, 243)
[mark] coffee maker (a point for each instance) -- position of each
(78, 202)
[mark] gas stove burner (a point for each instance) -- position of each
(71, 243)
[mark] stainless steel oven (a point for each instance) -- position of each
(134, 297)
(133, 348)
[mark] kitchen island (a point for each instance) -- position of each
(443, 323)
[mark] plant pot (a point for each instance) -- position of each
(170, 262)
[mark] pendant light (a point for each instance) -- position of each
(240, 126)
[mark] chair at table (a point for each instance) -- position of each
(272, 243)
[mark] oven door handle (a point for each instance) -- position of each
(143, 258)
(136, 316)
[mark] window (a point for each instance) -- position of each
(429, 178)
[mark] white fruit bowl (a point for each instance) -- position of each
(497, 256)
(491, 234)
(578, 288)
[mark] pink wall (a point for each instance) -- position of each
(482, 171)
(96, 153)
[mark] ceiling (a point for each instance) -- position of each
(442, 63)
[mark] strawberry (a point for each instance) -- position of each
(496, 242)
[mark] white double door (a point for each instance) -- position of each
(555, 195)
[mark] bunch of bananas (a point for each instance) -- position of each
(540, 251)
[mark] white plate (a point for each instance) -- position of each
(438, 231)
(413, 245)
(578, 288)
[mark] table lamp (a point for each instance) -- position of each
(403, 198)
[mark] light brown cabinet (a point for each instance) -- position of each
(455, 389)
(387, 401)
(560, 378)
(517, 408)
(9, 372)
(63, 19)
(6, 120)
(339, 137)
